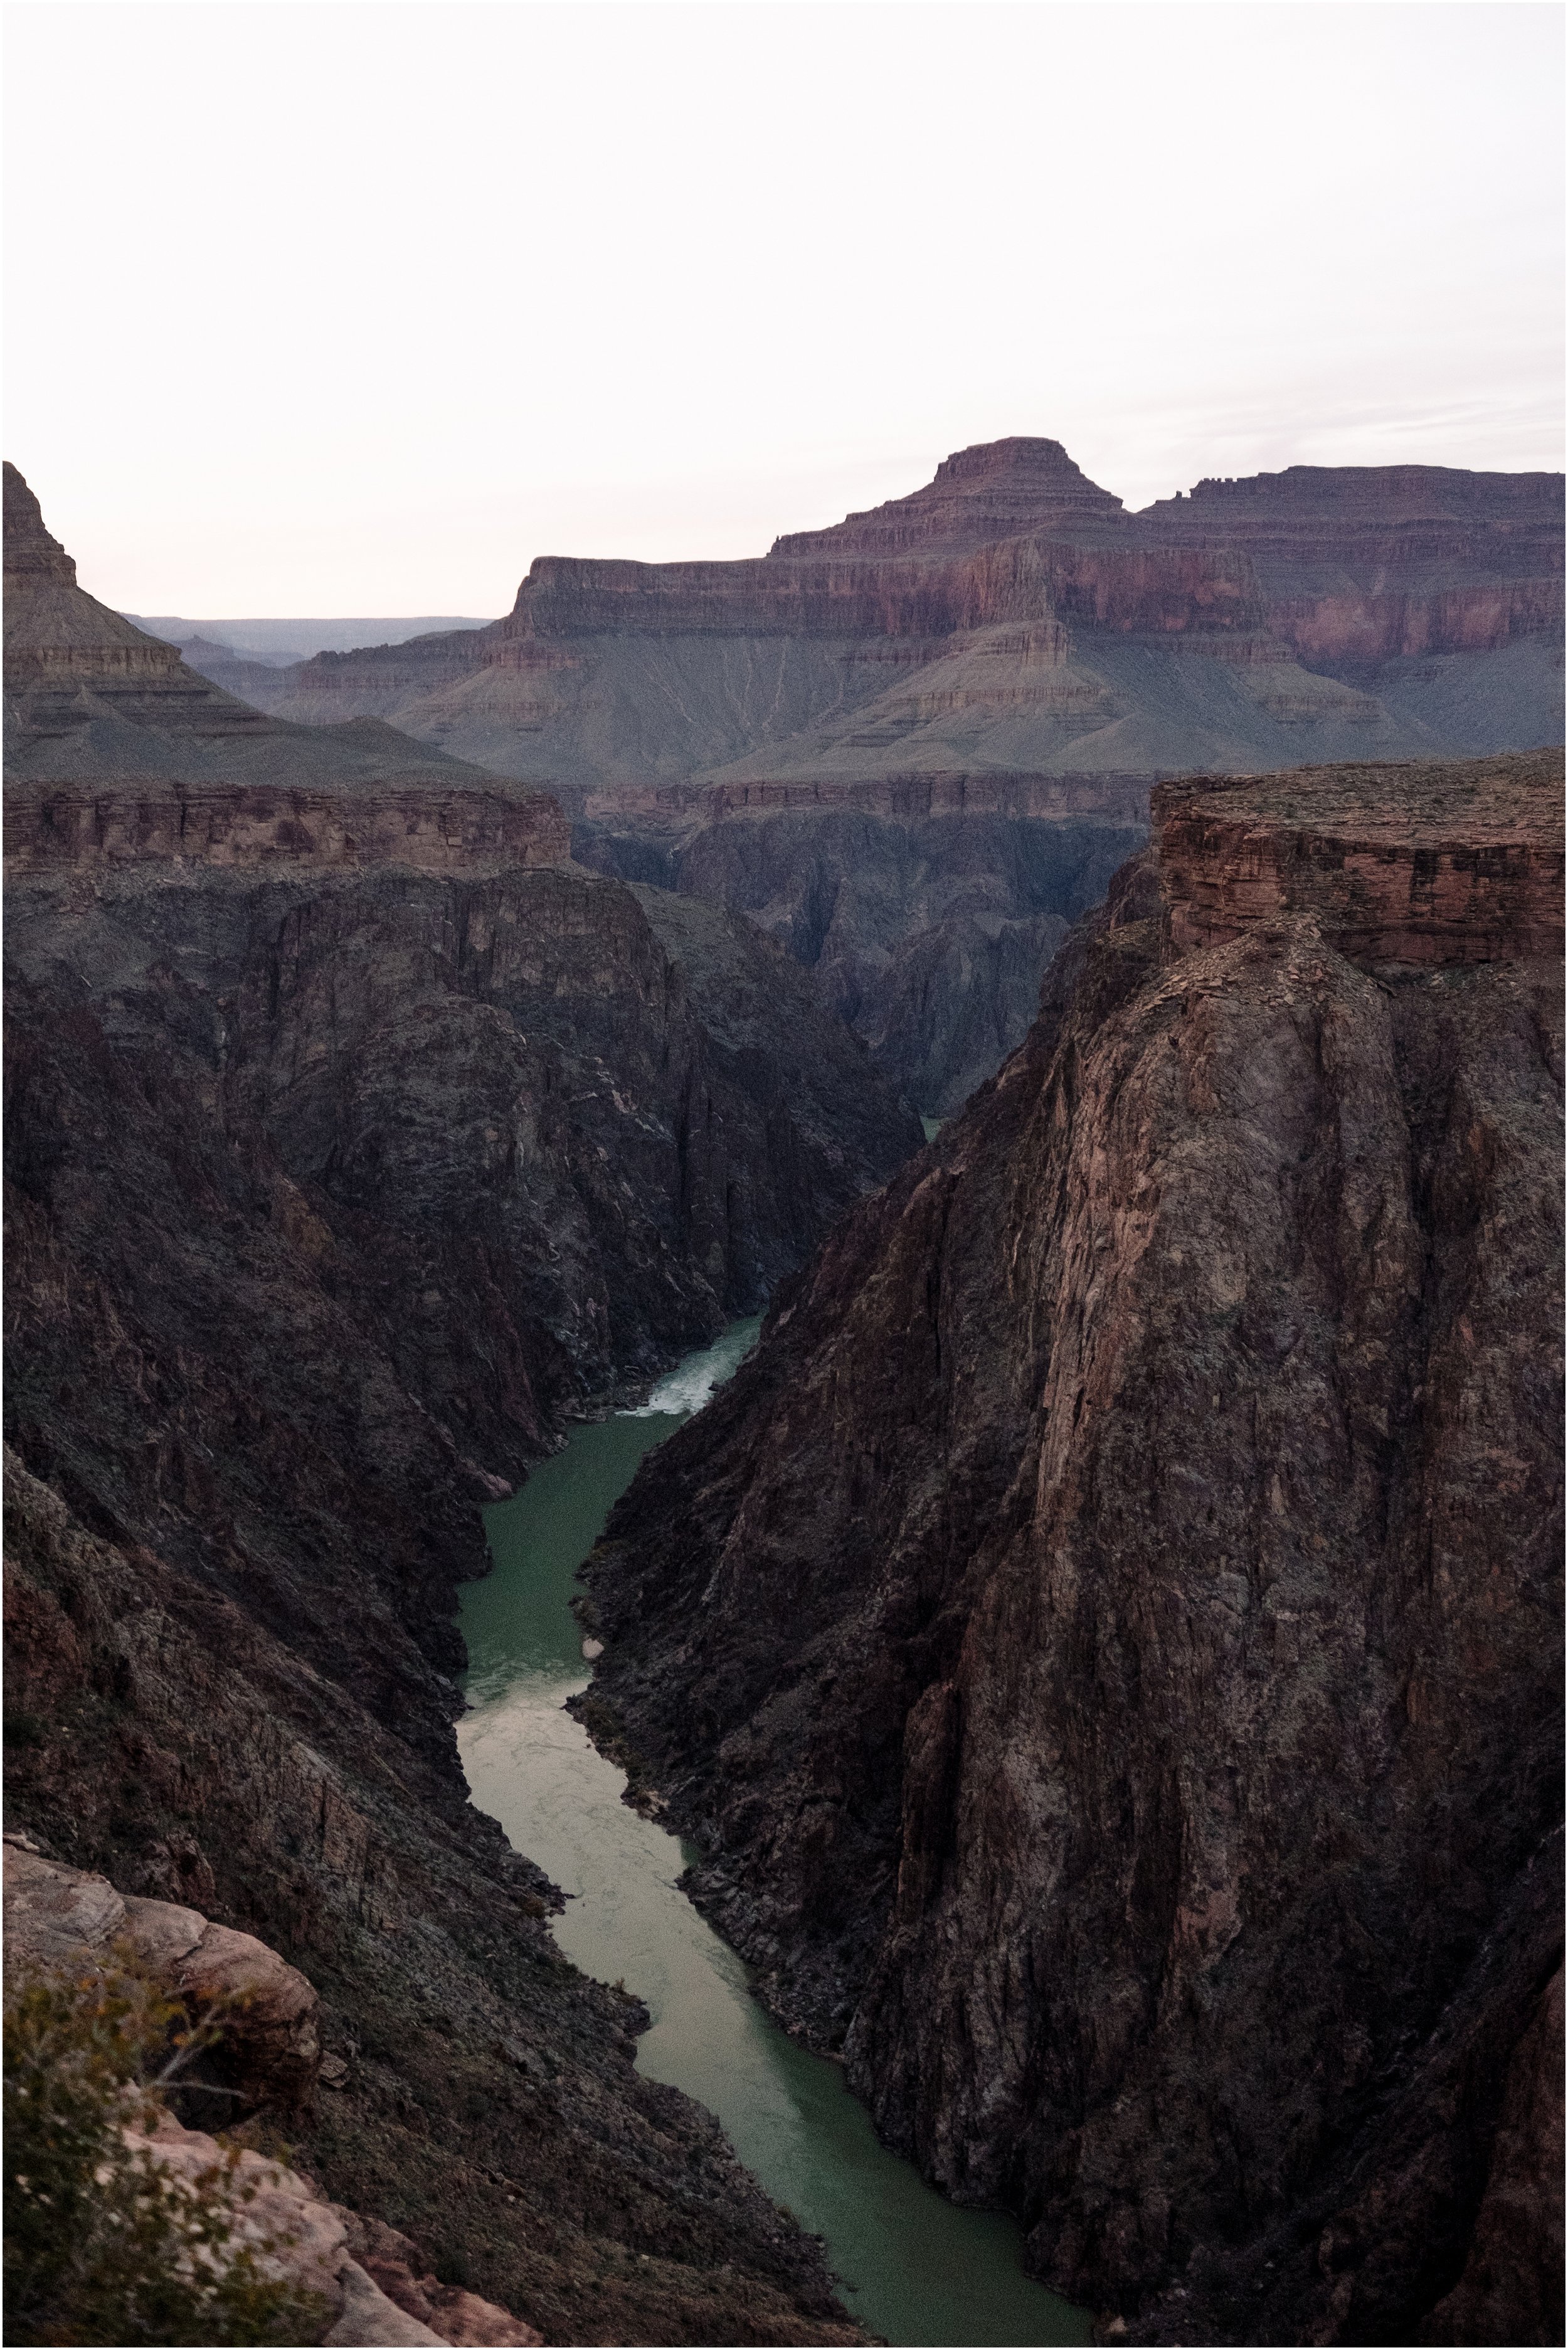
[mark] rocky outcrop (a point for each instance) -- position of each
(295, 2235)
(304, 2240)
(1453, 864)
(398, 2275)
(85, 832)
(1104, 1643)
(344, 1162)
(62, 1921)
(269, 2051)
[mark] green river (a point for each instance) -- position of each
(913, 2267)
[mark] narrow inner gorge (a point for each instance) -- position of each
(913, 2268)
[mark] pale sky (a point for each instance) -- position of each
(332, 306)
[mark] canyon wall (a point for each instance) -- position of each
(1105, 1643)
(924, 907)
(352, 1147)
(85, 832)
(1011, 615)
(1007, 624)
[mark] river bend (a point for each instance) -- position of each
(913, 2267)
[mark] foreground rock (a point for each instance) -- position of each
(1106, 1642)
(65, 1920)
(352, 1145)
(270, 2049)
(311, 2244)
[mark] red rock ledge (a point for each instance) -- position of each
(1458, 861)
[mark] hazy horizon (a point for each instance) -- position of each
(413, 295)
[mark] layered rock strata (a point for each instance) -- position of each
(1425, 864)
(1105, 1643)
(86, 832)
(1007, 628)
(349, 1151)
(1012, 616)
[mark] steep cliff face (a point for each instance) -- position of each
(1009, 623)
(91, 833)
(1437, 865)
(925, 908)
(1105, 1644)
(350, 1147)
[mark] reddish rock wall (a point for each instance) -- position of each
(1104, 1643)
(1460, 863)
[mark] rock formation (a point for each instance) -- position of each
(1010, 623)
(68, 1920)
(58, 1918)
(925, 907)
(350, 1148)
(1013, 617)
(1106, 1642)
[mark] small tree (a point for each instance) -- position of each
(104, 2243)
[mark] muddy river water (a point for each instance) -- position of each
(913, 2267)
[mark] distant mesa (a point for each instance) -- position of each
(1012, 617)
(1006, 649)
(276, 643)
(995, 490)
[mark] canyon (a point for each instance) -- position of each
(765, 733)
(1105, 1645)
(358, 1140)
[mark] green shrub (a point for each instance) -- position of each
(104, 2245)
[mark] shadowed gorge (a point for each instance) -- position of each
(357, 1140)
(1106, 1642)
(1102, 1648)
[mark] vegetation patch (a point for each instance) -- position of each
(105, 2244)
